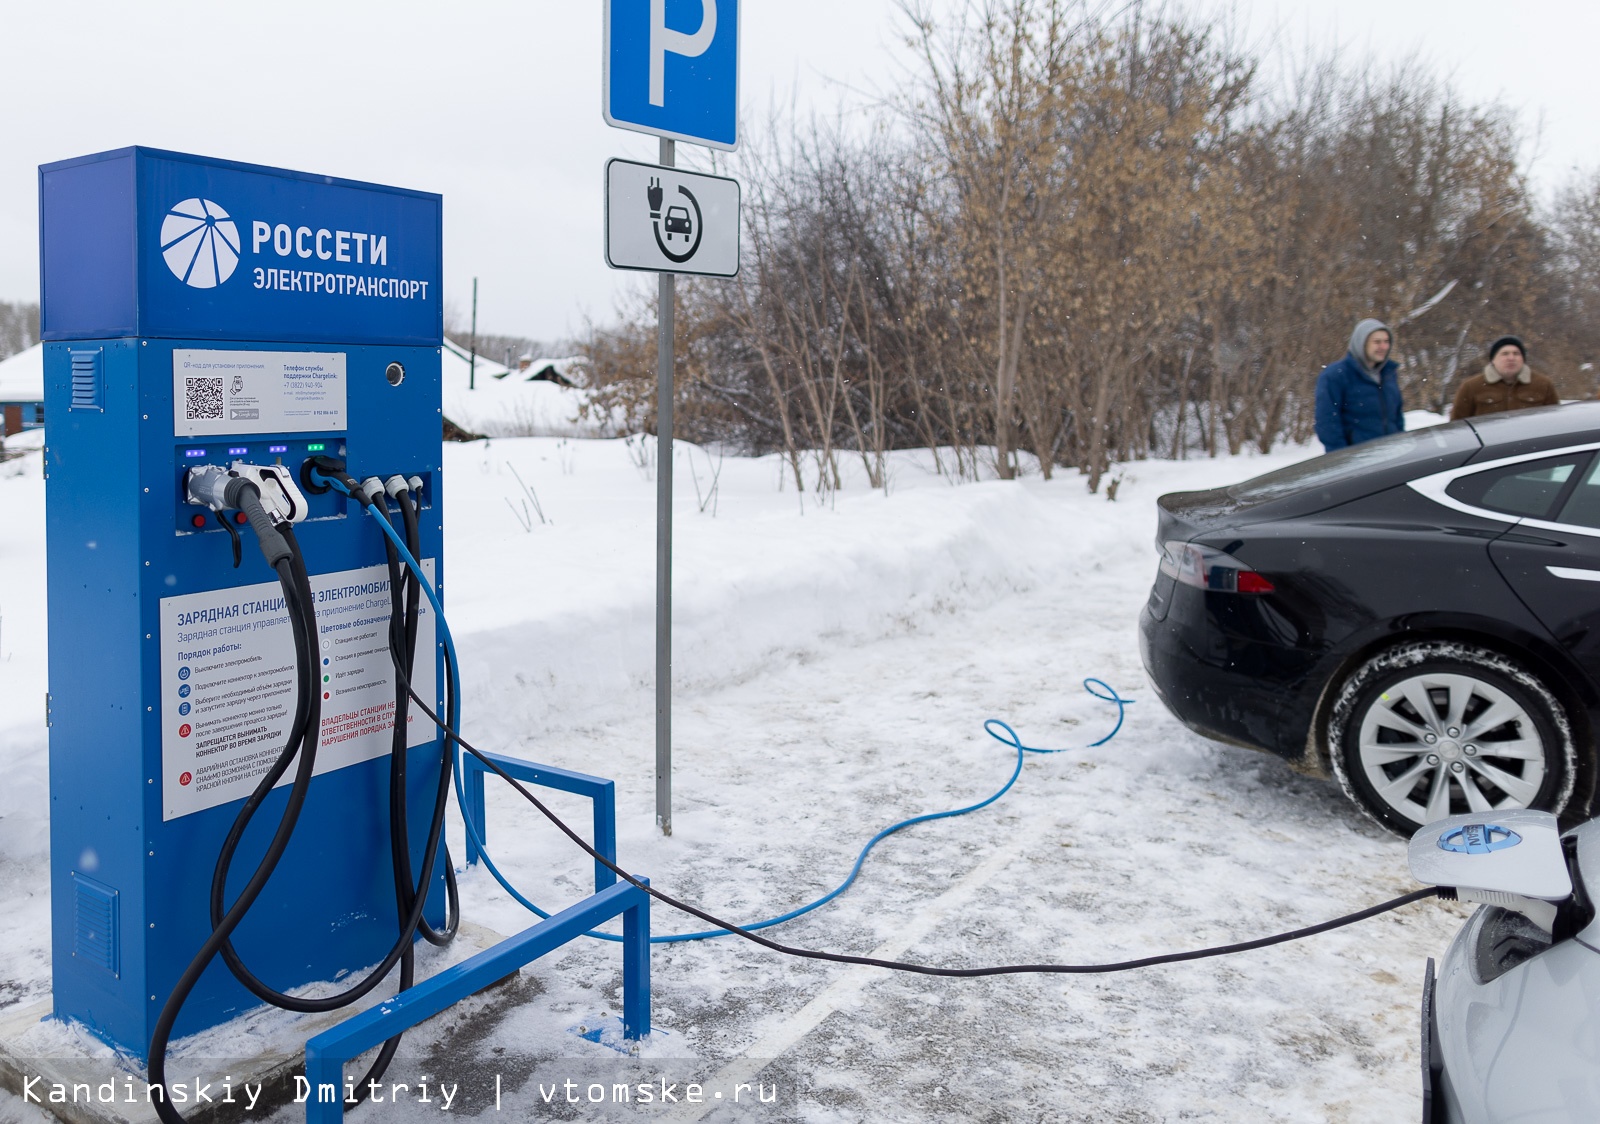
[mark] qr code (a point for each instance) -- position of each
(203, 399)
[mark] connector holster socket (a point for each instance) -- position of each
(328, 466)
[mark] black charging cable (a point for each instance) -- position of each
(452, 736)
(283, 555)
(407, 596)
(282, 551)
(412, 913)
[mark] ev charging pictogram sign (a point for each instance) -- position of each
(672, 69)
(668, 221)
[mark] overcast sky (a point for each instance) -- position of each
(496, 104)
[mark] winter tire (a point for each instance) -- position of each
(1434, 728)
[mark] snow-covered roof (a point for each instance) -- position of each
(505, 403)
(573, 368)
(22, 376)
(486, 367)
(508, 403)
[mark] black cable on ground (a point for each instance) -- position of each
(900, 965)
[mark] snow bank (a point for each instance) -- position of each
(772, 578)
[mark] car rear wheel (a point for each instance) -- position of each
(1434, 728)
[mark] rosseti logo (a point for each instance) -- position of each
(200, 243)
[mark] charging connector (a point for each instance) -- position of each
(240, 488)
(207, 486)
(1512, 858)
(320, 474)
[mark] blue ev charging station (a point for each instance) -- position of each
(205, 313)
(244, 797)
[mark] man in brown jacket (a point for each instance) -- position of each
(1507, 383)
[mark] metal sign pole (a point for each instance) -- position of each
(668, 222)
(664, 392)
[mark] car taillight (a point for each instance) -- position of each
(1248, 581)
(1206, 568)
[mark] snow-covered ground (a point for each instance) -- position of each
(833, 667)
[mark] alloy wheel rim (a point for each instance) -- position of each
(1438, 743)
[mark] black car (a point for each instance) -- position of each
(1418, 615)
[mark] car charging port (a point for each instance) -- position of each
(1577, 913)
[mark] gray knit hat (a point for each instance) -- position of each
(1359, 337)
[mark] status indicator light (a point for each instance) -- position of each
(277, 448)
(193, 454)
(238, 450)
(315, 447)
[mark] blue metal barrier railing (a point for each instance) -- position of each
(601, 791)
(329, 1052)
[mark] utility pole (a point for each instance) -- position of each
(472, 364)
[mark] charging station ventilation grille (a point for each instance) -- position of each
(88, 377)
(95, 941)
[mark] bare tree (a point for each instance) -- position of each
(19, 327)
(1078, 236)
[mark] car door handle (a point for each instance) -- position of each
(1572, 573)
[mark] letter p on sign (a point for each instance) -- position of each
(672, 69)
(664, 39)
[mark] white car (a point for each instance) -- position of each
(1511, 1021)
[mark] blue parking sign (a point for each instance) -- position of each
(672, 69)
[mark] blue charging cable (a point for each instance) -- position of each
(993, 727)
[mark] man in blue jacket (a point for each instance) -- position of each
(1358, 398)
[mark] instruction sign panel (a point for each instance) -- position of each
(228, 684)
(231, 393)
(669, 221)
